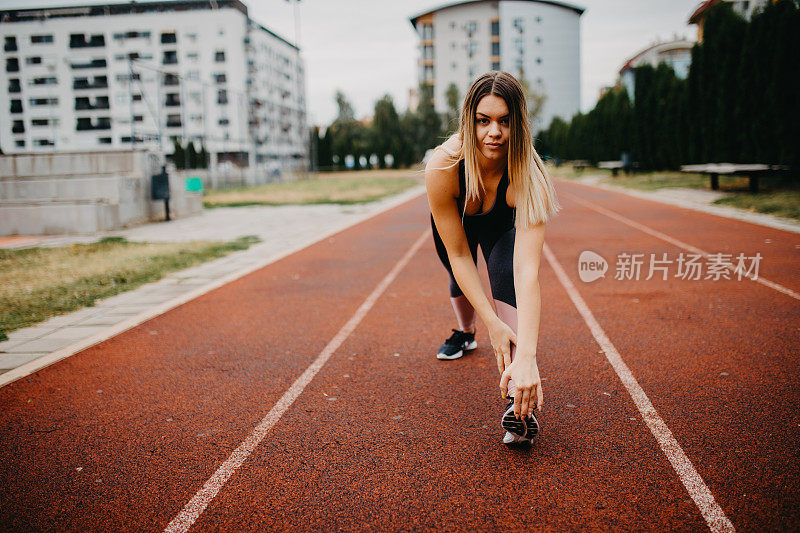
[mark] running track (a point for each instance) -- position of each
(305, 396)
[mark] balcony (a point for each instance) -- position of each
(85, 124)
(18, 127)
(94, 63)
(99, 82)
(78, 40)
(170, 58)
(16, 106)
(10, 46)
(168, 38)
(171, 79)
(83, 103)
(173, 122)
(14, 86)
(12, 64)
(172, 100)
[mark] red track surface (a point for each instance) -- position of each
(386, 437)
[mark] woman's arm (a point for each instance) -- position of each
(524, 370)
(442, 187)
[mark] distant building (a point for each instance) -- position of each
(676, 53)
(109, 76)
(745, 8)
(535, 39)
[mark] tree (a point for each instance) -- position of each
(192, 158)
(534, 99)
(430, 130)
(453, 106)
(346, 113)
(178, 155)
(203, 157)
(386, 130)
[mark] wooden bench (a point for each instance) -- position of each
(614, 166)
(752, 171)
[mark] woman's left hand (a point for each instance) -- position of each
(525, 372)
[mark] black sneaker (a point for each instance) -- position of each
(454, 347)
(526, 427)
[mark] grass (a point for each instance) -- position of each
(776, 196)
(39, 283)
(328, 188)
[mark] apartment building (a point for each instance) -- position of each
(139, 74)
(538, 40)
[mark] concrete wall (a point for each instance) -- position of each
(84, 192)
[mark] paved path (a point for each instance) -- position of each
(305, 396)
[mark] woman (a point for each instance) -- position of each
(487, 186)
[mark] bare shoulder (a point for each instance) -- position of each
(452, 144)
(441, 176)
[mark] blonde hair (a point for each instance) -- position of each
(536, 199)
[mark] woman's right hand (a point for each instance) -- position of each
(502, 336)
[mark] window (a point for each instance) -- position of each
(222, 96)
(193, 75)
(16, 106)
(427, 52)
(473, 48)
(193, 56)
(219, 56)
(220, 78)
(191, 36)
(171, 79)
(539, 20)
(172, 100)
(40, 122)
(173, 121)
(538, 40)
(41, 39)
(223, 122)
(538, 60)
(104, 140)
(20, 143)
(34, 60)
(170, 57)
(495, 65)
(137, 97)
(472, 27)
(495, 49)
(18, 127)
(49, 80)
(453, 25)
(495, 27)
(78, 40)
(519, 24)
(44, 142)
(11, 44)
(427, 32)
(43, 101)
(14, 86)
(94, 63)
(12, 64)
(168, 38)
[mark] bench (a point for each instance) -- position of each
(614, 166)
(752, 171)
(580, 164)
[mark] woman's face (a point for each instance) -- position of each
(492, 128)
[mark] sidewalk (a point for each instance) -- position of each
(283, 230)
(699, 200)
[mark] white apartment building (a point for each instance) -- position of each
(677, 54)
(95, 77)
(535, 39)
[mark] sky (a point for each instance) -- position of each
(368, 48)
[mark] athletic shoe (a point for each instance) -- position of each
(510, 438)
(526, 427)
(456, 345)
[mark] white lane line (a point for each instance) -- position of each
(192, 511)
(700, 493)
(680, 244)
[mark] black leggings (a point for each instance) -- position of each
(498, 252)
